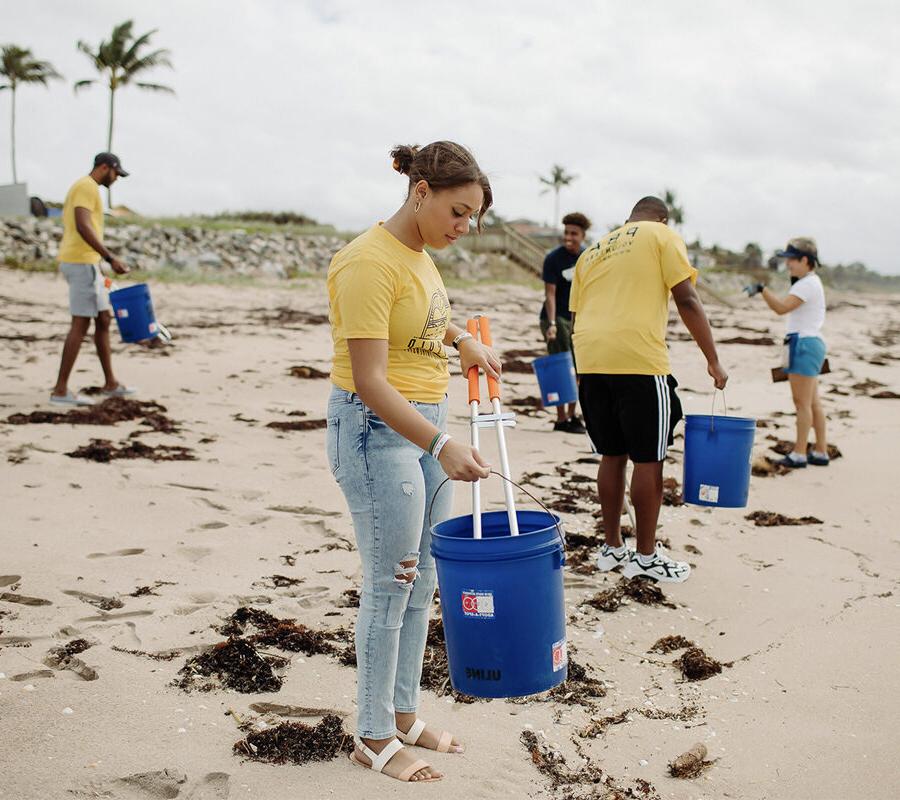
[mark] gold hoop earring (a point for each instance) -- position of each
(418, 205)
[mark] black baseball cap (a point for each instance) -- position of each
(799, 247)
(110, 160)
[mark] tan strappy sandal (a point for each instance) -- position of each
(380, 760)
(445, 742)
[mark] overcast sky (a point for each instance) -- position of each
(770, 119)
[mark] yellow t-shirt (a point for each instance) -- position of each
(620, 296)
(85, 193)
(380, 289)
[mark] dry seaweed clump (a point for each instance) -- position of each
(696, 665)
(109, 412)
(435, 667)
(771, 519)
(103, 451)
(285, 634)
(669, 644)
(646, 592)
(297, 743)
(588, 782)
(579, 688)
(234, 664)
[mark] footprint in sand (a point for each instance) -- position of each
(212, 786)
(103, 617)
(98, 600)
(212, 526)
(38, 673)
(9, 580)
(194, 554)
(128, 551)
(118, 634)
(24, 600)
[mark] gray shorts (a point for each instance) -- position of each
(87, 294)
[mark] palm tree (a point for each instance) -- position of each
(558, 178)
(119, 61)
(18, 65)
(676, 212)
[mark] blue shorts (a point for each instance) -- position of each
(807, 354)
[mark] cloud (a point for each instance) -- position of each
(769, 119)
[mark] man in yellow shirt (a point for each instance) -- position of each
(80, 252)
(620, 307)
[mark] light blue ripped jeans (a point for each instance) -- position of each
(389, 484)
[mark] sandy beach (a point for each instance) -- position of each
(152, 556)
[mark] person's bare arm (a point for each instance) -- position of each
(86, 231)
(550, 305)
(778, 305)
(368, 360)
(690, 309)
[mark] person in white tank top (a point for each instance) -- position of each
(804, 307)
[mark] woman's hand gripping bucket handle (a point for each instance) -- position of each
(556, 522)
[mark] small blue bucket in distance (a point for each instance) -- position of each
(134, 313)
(556, 377)
(502, 603)
(717, 454)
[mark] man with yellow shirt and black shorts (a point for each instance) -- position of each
(619, 302)
(80, 253)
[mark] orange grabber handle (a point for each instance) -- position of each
(474, 391)
(493, 384)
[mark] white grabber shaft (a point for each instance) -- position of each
(474, 400)
(484, 327)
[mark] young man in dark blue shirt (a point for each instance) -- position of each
(556, 319)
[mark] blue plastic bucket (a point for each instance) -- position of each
(717, 454)
(134, 313)
(556, 377)
(502, 603)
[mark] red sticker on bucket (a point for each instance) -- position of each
(560, 657)
(478, 604)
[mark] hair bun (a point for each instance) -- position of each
(403, 156)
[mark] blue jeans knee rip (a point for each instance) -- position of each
(406, 571)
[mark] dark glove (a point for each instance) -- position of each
(754, 289)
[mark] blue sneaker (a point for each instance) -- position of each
(818, 459)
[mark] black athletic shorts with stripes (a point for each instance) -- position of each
(630, 414)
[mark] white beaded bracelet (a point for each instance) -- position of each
(439, 445)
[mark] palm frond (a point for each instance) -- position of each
(131, 53)
(83, 84)
(155, 87)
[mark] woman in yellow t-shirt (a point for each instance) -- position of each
(387, 445)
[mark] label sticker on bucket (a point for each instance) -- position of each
(153, 327)
(552, 397)
(478, 604)
(560, 657)
(122, 313)
(709, 494)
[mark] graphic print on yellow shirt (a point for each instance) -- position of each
(620, 297)
(431, 341)
(380, 289)
(85, 193)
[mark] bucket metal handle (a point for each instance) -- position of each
(712, 416)
(556, 522)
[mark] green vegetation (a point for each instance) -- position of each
(19, 66)
(225, 222)
(555, 182)
(119, 61)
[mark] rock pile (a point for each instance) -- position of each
(189, 249)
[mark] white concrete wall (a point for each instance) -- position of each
(14, 200)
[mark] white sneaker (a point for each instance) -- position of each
(609, 558)
(71, 399)
(662, 568)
